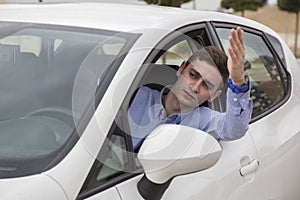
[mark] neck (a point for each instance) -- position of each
(172, 105)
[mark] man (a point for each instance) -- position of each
(200, 79)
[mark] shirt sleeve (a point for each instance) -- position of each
(237, 117)
(140, 114)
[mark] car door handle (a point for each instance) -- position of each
(249, 168)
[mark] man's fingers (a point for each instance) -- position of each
(238, 38)
(234, 48)
(236, 54)
(241, 35)
(232, 55)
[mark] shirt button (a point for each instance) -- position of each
(243, 100)
(235, 99)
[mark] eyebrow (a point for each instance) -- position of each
(207, 82)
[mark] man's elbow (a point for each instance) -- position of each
(236, 133)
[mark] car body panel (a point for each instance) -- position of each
(277, 137)
(128, 189)
(109, 194)
(26, 187)
(73, 14)
(78, 161)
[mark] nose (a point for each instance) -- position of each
(196, 85)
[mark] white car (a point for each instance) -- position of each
(68, 73)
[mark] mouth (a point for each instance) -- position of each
(188, 95)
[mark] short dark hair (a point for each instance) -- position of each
(213, 56)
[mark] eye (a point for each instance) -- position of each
(205, 85)
(193, 75)
(208, 86)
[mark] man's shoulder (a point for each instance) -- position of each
(144, 94)
(143, 98)
(147, 91)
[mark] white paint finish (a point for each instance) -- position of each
(277, 139)
(31, 187)
(107, 16)
(171, 150)
(128, 189)
(109, 194)
(71, 172)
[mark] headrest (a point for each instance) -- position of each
(9, 53)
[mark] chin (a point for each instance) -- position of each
(188, 106)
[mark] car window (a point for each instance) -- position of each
(116, 160)
(113, 161)
(27, 43)
(48, 77)
(267, 86)
(176, 54)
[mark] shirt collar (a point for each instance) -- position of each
(159, 109)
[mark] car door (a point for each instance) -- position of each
(276, 131)
(275, 122)
(223, 180)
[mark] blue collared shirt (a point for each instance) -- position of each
(147, 112)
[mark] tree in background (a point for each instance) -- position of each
(292, 6)
(172, 3)
(242, 5)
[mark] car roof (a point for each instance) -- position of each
(112, 16)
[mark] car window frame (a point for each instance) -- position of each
(275, 42)
(284, 74)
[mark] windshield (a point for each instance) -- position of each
(48, 77)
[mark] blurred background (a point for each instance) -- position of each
(280, 15)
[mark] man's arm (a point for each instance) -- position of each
(238, 115)
(239, 103)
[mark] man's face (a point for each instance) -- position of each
(197, 83)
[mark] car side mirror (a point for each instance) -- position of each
(171, 150)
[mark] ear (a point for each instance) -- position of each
(215, 95)
(181, 68)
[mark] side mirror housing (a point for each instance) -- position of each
(172, 150)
